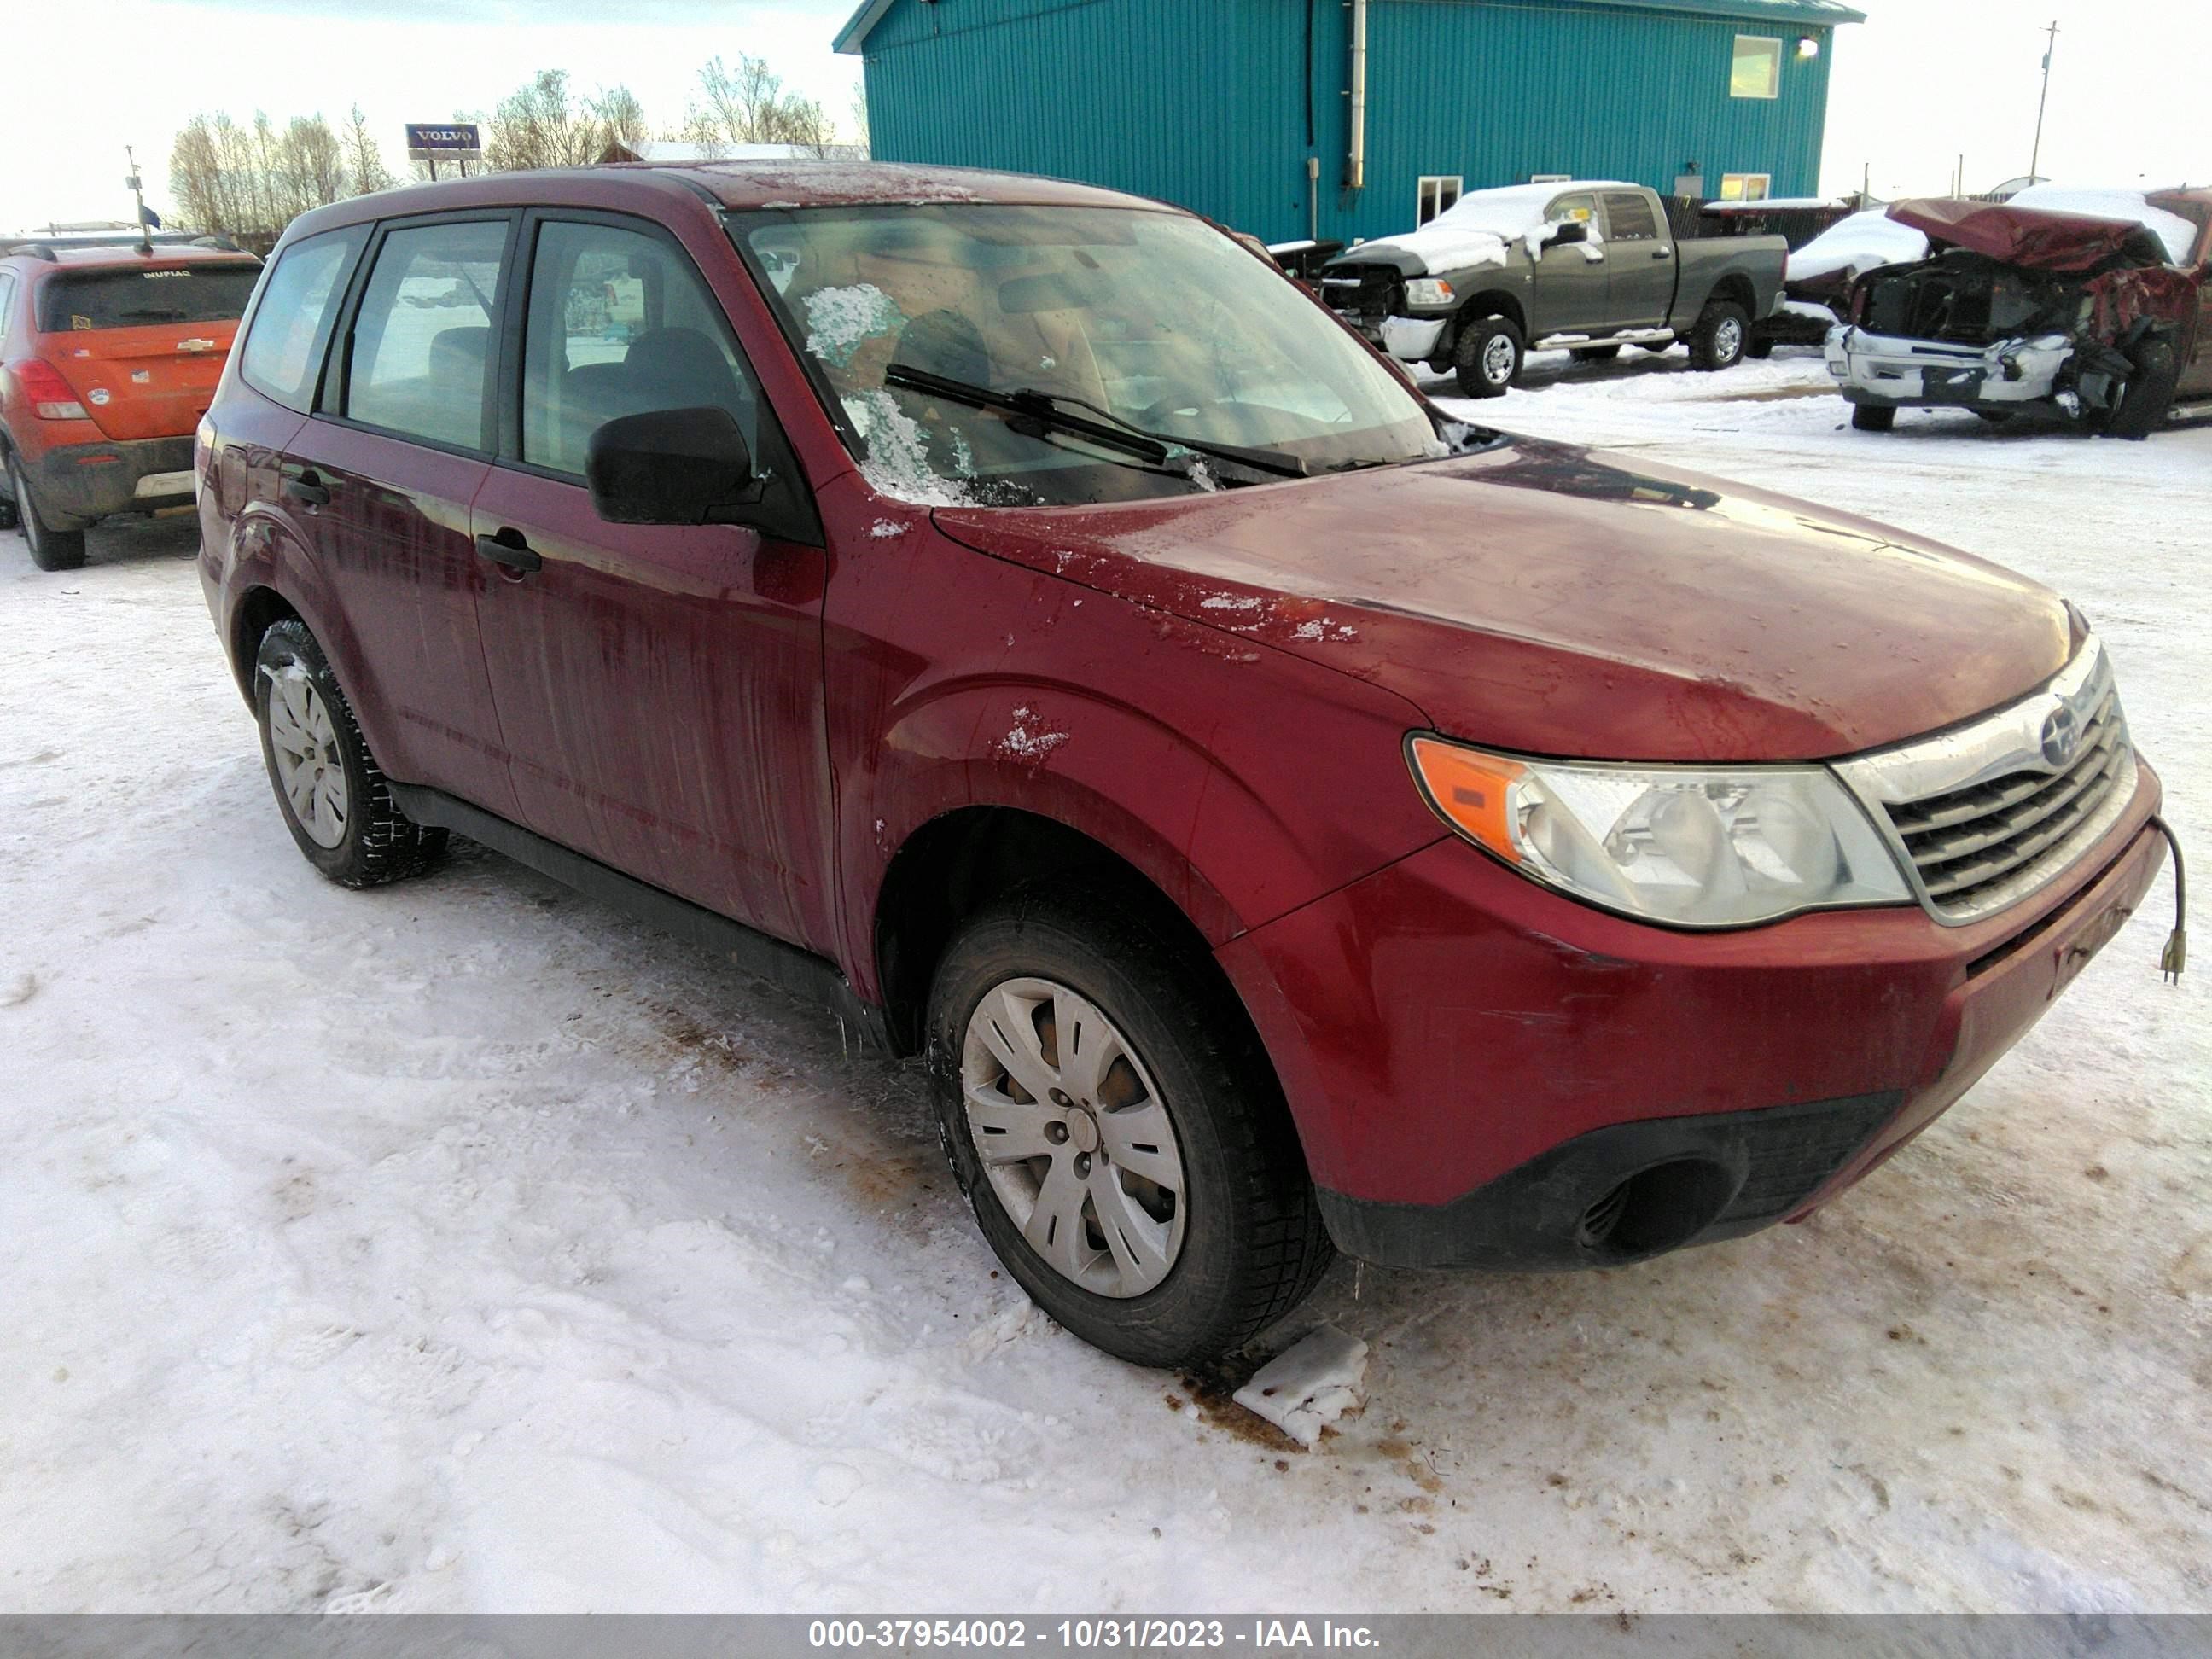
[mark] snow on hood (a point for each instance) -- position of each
(1860, 243)
(2032, 237)
(1477, 229)
(2171, 229)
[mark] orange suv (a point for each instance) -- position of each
(109, 356)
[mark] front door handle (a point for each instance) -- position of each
(510, 549)
(308, 488)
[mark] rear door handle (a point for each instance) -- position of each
(308, 488)
(1663, 253)
(510, 549)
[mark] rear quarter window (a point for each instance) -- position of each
(131, 297)
(291, 324)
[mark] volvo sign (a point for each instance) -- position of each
(434, 141)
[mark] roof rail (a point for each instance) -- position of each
(36, 250)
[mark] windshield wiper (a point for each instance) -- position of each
(1034, 413)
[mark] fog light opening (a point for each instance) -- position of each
(1655, 1209)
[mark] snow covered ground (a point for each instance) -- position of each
(463, 1245)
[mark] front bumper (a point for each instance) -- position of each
(1411, 339)
(79, 483)
(1485, 1074)
(1894, 371)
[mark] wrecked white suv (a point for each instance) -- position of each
(2032, 307)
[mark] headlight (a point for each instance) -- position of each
(1428, 291)
(1686, 847)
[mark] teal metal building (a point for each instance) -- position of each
(1346, 118)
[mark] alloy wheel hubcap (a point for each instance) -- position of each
(305, 745)
(1074, 1137)
(1497, 360)
(1728, 338)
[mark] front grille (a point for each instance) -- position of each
(1991, 842)
(1366, 294)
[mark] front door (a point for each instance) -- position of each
(659, 686)
(390, 466)
(1572, 276)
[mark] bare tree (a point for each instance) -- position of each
(860, 116)
(364, 160)
(541, 125)
(250, 181)
(620, 116)
(748, 104)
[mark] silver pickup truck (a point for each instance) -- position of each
(1590, 266)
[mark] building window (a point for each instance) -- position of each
(1758, 70)
(1746, 186)
(1438, 191)
(1550, 177)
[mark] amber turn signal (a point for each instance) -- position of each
(1469, 791)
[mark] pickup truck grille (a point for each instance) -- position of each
(2039, 783)
(1364, 294)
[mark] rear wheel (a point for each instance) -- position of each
(1109, 1113)
(1596, 354)
(1488, 359)
(1719, 339)
(51, 548)
(334, 798)
(1872, 417)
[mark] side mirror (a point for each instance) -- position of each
(1570, 231)
(671, 466)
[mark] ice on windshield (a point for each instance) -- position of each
(925, 323)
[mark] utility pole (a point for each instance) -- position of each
(138, 194)
(2036, 159)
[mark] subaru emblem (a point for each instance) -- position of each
(2062, 738)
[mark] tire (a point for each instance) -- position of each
(1872, 417)
(366, 839)
(1718, 341)
(1598, 354)
(2148, 397)
(51, 548)
(1488, 357)
(1760, 347)
(1201, 1268)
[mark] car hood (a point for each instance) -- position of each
(2033, 239)
(1546, 599)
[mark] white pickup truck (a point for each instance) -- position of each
(1591, 266)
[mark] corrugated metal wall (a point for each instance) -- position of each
(1204, 102)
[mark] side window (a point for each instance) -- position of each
(1579, 209)
(7, 299)
(422, 348)
(620, 324)
(1755, 69)
(291, 322)
(1630, 219)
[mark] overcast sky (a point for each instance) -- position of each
(1918, 83)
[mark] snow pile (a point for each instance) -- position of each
(1859, 244)
(2171, 229)
(841, 320)
(1309, 1385)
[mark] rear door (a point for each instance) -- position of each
(1640, 257)
(1571, 277)
(142, 346)
(398, 446)
(659, 686)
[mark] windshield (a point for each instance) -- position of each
(922, 323)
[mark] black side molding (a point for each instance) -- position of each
(816, 979)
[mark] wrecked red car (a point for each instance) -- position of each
(2026, 310)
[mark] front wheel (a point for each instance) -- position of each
(1488, 359)
(1107, 1111)
(1719, 339)
(329, 787)
(2148, 396)
(51, 548)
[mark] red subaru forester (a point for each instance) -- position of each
(1286, 816)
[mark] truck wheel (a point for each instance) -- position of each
(51, 548)
(1488, 359)
(1109, 1113)
(1760, 347)
(1872, 418)
(1719, 339)
(2148, 397)
(328, 785)
(1600, 354)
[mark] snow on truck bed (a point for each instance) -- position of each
(461, 1245)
